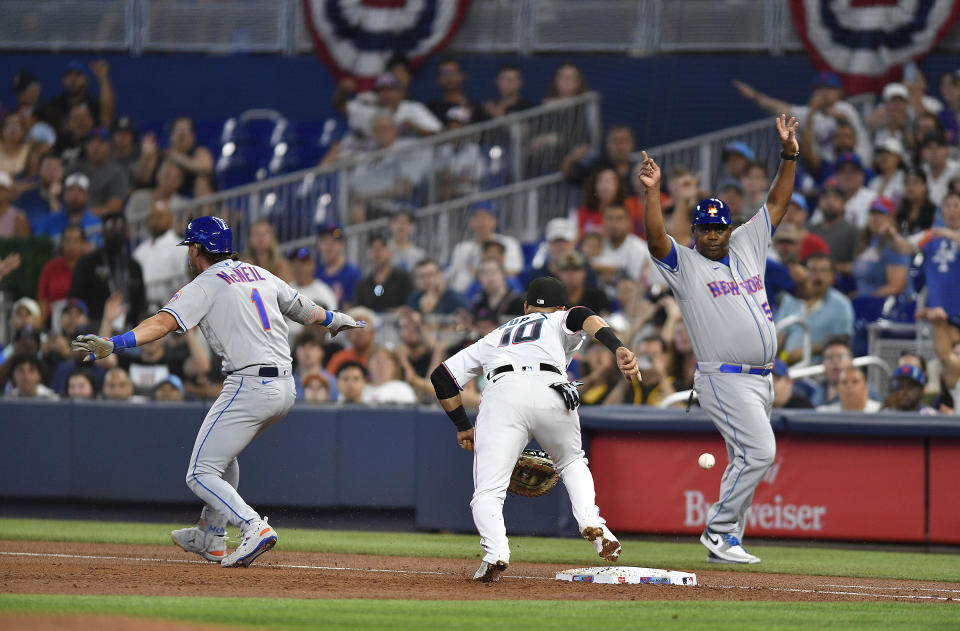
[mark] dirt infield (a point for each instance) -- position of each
(28, 567)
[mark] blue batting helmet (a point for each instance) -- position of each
(712, 210)
(212, 233)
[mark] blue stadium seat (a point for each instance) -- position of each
(286, 158)
(208, 133)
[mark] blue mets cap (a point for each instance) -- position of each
(75, 65)
(299, 254)
(848, 157)
(800, 201)
(712, 210)
(212, 233)
(174, 381)
(738, 146)
(334, 230)
(908, 371)
(827, 79)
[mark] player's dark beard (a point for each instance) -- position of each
(192, 267)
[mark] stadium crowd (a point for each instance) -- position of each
(874, 225)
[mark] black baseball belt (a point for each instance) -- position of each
(509, 368)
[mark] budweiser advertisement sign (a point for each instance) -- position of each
(819, 487)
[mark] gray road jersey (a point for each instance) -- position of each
(239, 308)
(725, 307)
(528, 340)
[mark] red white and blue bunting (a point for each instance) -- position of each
(357, 37)
(867, 42)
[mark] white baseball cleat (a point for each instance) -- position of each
(257, 537)
(210, 546)
(604, 542)
(725, 548)
(490, 572)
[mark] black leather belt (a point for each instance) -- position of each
(508, 368)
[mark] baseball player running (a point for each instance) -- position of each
(719, 288)
(239, 308)
(527, 395)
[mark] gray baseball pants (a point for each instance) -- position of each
(739, 406)
(246, 407)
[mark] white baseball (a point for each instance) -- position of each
(706, 461)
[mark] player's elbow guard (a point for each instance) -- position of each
(303, 310)
(443, 384)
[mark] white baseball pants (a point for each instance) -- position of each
(246, 407)
(515, 408)
(739, 406)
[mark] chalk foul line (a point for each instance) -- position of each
(93, 557)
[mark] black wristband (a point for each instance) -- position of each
(608, 338)
(459, 418)
(790, 156)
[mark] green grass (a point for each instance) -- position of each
(687, 555)
(419, 615)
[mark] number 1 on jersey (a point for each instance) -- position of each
(261, 310)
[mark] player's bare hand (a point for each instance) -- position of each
(465, 439)
(627, 363)
(94, 346)
(649, 174)
(100, 68)
(787, 130)
(343, 322)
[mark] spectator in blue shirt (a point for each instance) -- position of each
(879, 268)
(75, 211)
(43, 199)
(827, 312)
(333, 268)
(941, 256)
(431, 295)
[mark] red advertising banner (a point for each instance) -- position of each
(818, 487)
(944, 490)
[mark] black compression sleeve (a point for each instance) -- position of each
(608, 338)
(459, 418)
(577, 316)
(443, 383)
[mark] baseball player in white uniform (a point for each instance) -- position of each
(719, 288)
(239, 307)
(528, 396)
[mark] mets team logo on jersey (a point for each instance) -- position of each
(724, 288)
(175, 297)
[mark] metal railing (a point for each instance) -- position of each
(424, 174)
(796, 372)
(523, 208)
(704, 153)
(801, 321)
(634, 27)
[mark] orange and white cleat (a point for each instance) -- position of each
(212, 547)
(257, 537)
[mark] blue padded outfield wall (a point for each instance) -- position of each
(663, 98)
(327, 457)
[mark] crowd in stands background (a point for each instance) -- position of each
(873, 226)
